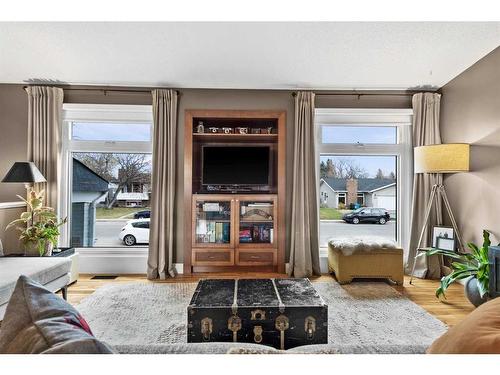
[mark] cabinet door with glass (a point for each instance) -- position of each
(213, 221)
(256, 221)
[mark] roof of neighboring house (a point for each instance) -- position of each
(365, 185)
(85, 179)
(132, 196)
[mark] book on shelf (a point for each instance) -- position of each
(256, 233)
(211, 231)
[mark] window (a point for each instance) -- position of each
(365, 156)
(341, 198)
(142, 225)
(107, 167)
(361, 199)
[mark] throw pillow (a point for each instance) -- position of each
(38, 321)
(478, 333)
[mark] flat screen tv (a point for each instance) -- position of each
(235, 165)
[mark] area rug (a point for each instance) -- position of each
(363, 317)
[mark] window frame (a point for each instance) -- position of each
(343, 195)
(107, 113)
(402, 150)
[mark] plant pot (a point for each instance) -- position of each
(38, 248)
(472, 292)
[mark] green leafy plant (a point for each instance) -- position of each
(465, 265)
(38, 224)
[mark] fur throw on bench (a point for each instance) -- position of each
(349, 246)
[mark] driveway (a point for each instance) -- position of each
(106, 232)
(341, 229)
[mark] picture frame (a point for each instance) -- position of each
(445, 243)
(444, 234)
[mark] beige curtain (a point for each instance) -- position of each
(44, 140)
(304, 243)
(161, 234)
(425, 132)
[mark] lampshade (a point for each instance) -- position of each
(25, 172)
(446, 158)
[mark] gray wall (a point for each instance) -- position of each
(13, 134)
(470, 113)
(13, 122)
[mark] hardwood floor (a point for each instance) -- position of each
(450, 311)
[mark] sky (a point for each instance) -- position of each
(97, 131)
(370, 163)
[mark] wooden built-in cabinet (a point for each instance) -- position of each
(234, 231)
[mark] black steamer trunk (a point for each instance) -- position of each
(282, 313)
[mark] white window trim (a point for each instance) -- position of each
(96, 113)
(403, 151)
(343, 195)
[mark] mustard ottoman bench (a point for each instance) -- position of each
(361, 258)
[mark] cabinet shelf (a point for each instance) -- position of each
(234, 137)
(256, 221)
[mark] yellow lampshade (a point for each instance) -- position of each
(446, 158)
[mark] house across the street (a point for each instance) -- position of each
(370, 192)
(132, 200)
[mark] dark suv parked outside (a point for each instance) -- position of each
(142, 214)
(367, 215)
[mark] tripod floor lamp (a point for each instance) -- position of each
(445, 158)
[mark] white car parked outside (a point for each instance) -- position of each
(135, 232)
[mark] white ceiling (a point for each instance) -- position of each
(244, 55)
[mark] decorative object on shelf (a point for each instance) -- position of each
(268, 130)
(474, 265)
(227, 130)
(494, 261)
(39, 226)
(442, 158)
(254, 131)
(26, 173)
(257, 214)
(213, 130)
(200, 128)
(241, 130)
(440, 235)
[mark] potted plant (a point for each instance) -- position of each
(473, 265)
(39, 226)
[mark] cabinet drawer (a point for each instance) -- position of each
(213, 257)
(256, 257)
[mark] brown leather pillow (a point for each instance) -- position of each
(479, 333)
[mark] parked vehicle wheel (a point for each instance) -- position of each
(382, 220)
(355, 220)
(129, 240)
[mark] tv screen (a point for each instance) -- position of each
(235, 165)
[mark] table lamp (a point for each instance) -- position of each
(24, 172)
(444, 158)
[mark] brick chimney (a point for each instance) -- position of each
(352, 191)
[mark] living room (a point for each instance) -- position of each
(273, 188)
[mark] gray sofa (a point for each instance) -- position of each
(51, 272)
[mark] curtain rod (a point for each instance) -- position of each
(348, 93)
(140, 91)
